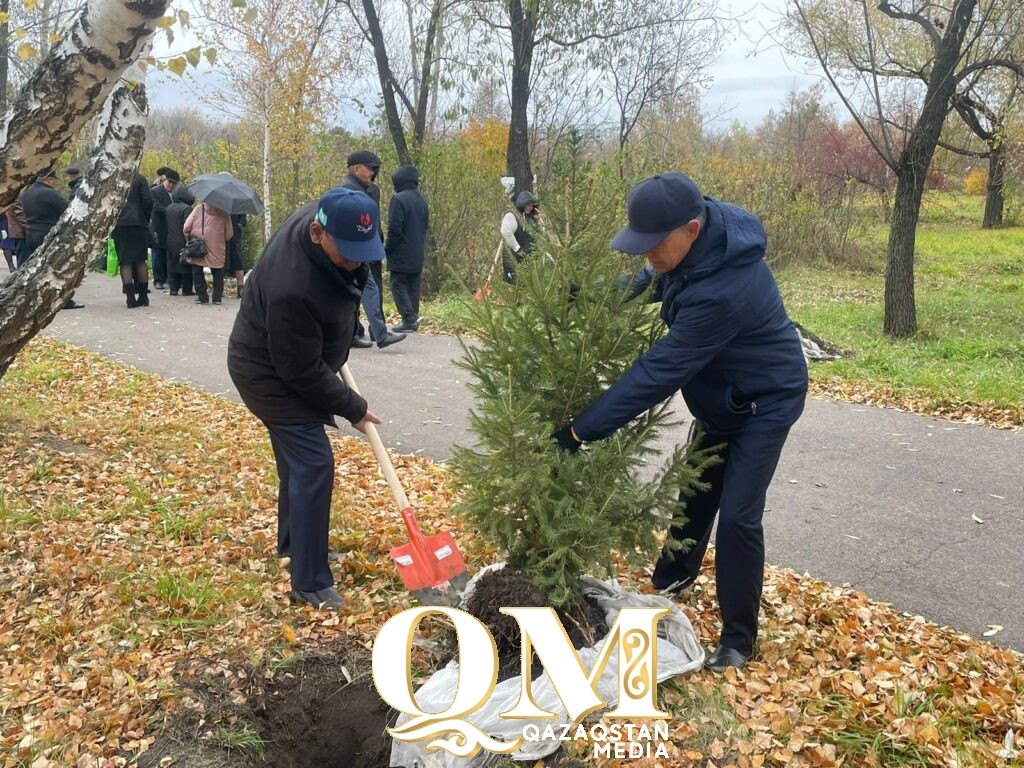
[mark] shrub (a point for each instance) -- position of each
(976, 181)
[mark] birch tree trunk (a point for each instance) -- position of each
(31, 296)
(69, 86)
(267, 222)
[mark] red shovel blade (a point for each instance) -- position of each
(432, 564)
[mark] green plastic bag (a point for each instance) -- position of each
(112, 266)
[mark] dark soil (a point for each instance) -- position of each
(509, 588)
(308, 715)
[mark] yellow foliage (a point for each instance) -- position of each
(485, 147)
(976, 181)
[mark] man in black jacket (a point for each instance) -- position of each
(408, 219)
(363, 166)
(291, 336)
(162, 193)
(42, 205)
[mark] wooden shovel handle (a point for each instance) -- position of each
(386, 467)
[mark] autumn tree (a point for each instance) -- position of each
(284, 60)
(86, 70)
(867, 52)
(530, 27)
(408, 85)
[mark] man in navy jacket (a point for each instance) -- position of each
(735, 356)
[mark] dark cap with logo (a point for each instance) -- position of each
(353, 219)
(656, 206)
(363, 157)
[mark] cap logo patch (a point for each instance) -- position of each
(321, 216)
(365, 223)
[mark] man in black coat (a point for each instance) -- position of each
(291, 336)
(408, 220)
(363, 166)
(162, 193)
(42, 205)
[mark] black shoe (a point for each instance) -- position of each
(361, 342)
(677, 587)
(173, 293)
(323, 599)
(72, 304)
(405, 328)
(391, 338)
(217, 301)
(131, 301)
(202, 300)
(723, 658)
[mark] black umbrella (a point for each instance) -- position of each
(224, 191)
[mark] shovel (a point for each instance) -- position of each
(431, 566)
(483, 293)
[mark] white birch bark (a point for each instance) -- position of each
(70, 85)
(31, 296)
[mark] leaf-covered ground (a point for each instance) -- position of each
(137, 530)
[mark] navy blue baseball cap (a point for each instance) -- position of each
(353, 219)
(656, 206)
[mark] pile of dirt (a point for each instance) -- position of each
(321, 712)
(508, 588)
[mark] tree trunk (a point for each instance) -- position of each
(387, 89)
(994, 191)
(267, 219)
(5, 52)
(31, 297)
(419, 126)
(914, 162)
(69, 85)
(524, 24)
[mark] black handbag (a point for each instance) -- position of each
(195, 247)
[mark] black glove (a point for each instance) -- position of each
(566, 441)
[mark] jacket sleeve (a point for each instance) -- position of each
(189, 223)
(295, 341)
(145, 197)
(509, 225)
(396, 226)
(700, 331)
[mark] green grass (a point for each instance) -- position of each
(970, 292)
(241, 736)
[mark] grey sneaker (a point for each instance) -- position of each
(323, 599)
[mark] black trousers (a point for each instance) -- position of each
(180, 281)
(405, 289)
(305, 467)
(199, 282)
(738, 487)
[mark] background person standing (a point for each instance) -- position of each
(42, 205)
(408, 221)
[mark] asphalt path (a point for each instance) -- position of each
(919, 512)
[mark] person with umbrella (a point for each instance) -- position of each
(213, 226)
(226, 196)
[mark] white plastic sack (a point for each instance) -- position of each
(679, 653)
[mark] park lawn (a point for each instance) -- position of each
(968, 355)
(137, 537)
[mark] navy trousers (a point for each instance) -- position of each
(305, 466)
(737, 490)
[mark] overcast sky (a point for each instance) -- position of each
(752, 75)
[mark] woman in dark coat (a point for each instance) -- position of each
(131, 238)
(179, 273)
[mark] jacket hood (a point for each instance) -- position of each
(405, 177)
(523, 199)
(184, 195)
(732, 237)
